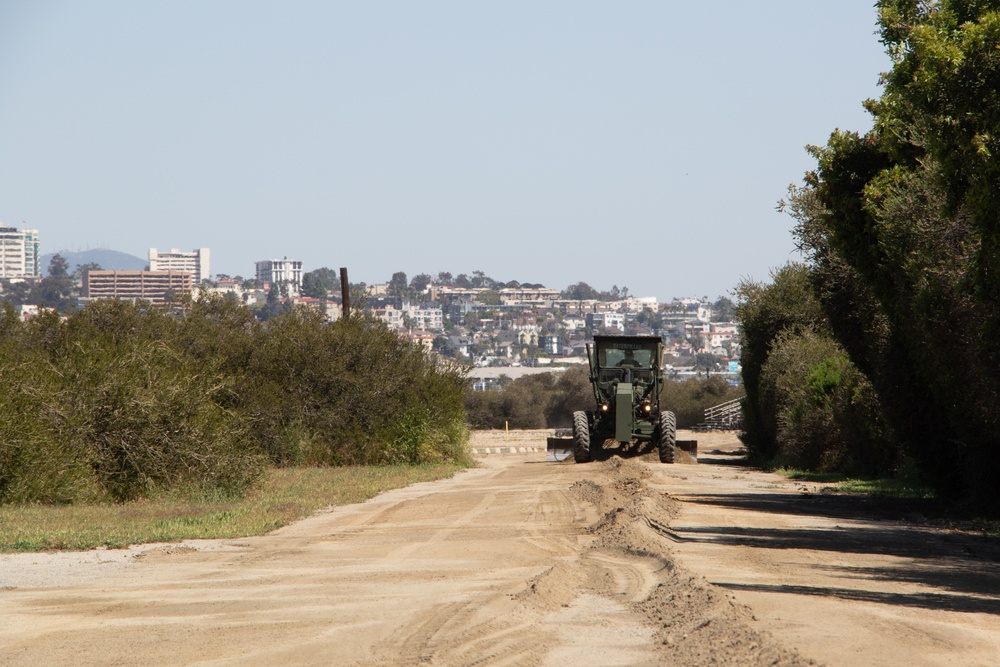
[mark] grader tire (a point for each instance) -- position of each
(666, 437)
(581, 437)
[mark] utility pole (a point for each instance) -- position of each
(345, 292)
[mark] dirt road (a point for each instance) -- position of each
(523, 562)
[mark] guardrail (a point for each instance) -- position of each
(726, 416)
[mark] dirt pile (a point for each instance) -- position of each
(696, 623)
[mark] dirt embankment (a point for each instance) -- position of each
(528, 562)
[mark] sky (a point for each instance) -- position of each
(642, 144)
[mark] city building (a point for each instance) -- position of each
(194, 262)
(607, 320)
(19, 253)
(154, 286)
(281, 271)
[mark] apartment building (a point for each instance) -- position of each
(19, 253)
(195, 262)
(287, 271)
(154, 286)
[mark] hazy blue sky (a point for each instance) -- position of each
(642, 144)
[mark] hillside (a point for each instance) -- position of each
(107, 259)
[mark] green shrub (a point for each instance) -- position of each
(827, 412)
(348, 393)
(124, 400)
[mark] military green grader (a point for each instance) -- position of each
(625, 372)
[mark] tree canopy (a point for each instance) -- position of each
(901, 228)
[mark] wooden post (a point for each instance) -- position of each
(345, 292)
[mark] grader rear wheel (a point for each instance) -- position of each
(581, 437)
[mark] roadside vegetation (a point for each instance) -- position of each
(123, 402)
(905, 484)
(548, 400)
(283, 495)
(881, 348)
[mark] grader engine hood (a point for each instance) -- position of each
(624, 412)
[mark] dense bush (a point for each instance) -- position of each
(827, 414)
(901, 227)
(764, 312)
(807, 405)
(122, 401)
(349, 393)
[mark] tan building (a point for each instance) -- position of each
(149, 285)
(194, 262)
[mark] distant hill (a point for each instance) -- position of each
(111, 260)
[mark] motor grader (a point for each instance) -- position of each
(625, 372)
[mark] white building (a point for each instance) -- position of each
(606, 320)
(19, 253)
(194, 262)
(414, 316)
(287, 271)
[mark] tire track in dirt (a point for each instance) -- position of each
(516, 563)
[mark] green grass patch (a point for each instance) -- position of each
(806, 476)
(893, 488)
(904, 486)
(283, 496)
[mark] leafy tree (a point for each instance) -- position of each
(580, 291)
(274, 305)
(902, 229)
(84, 268)
(56, 289)
(398, 285)
(58, 267)
(320, 283)
(419, 282)
(462, 280)
(489, 297)
(480, 279)
(16, 293)
(723, 310)
(444, 278)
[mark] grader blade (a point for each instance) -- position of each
(558, 449)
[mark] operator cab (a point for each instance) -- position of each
(627, 358)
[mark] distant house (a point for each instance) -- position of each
(424, 339)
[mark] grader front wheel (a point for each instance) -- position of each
(581, 437)
(666, 437)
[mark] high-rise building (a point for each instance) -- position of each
(194, 262)
(19, 254)
(280, 271)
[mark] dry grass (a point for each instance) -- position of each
(285, 495)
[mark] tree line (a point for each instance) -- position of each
(122, 401)
(882, 348)
(548, 400)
